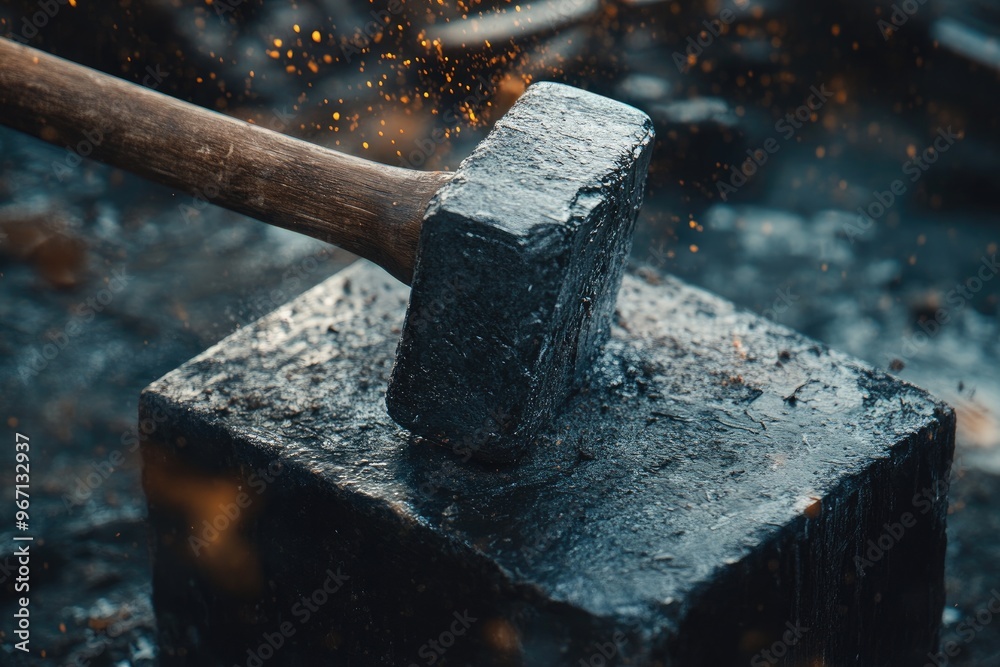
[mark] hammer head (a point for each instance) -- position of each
(519, 263)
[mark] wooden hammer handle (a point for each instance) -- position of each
(370, 209)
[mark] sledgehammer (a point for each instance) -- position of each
(514, 260)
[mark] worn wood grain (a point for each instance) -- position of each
(370, 209)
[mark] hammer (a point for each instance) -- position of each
(514, 260)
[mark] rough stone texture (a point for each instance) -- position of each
(720, 477)
(520, 258)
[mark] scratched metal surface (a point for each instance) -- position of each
(704, 438)
(779, 245)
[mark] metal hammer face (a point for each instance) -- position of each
(519, 263)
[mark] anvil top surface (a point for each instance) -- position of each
(706, 429)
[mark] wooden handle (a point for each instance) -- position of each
(370, 209)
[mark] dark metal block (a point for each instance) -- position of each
(521, 256)
(726, 492)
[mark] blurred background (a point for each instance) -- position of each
(832, 165)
